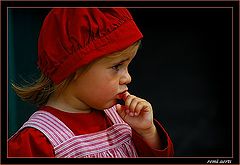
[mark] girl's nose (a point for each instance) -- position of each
(125, 79)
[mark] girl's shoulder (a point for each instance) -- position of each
(29, 142)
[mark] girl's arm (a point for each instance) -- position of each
(144, 150)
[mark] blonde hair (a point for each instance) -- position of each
(39, 91)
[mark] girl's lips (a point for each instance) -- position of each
(120, 95)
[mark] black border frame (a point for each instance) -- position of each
(4, 77)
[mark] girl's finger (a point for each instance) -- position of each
(138, 108)
(133, 105)
(125, 95)
(129, 100)
(121, 110)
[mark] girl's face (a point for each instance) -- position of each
(100, 86)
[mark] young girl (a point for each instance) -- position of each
(83, 54)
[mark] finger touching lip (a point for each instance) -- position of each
(119, 96)
(123, 95)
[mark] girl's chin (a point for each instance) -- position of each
(111, 104)
(108, 105)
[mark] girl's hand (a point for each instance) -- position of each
(138, 114)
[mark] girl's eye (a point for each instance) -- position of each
(116, 67)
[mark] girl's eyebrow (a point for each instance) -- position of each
(119, 62)
(124, 60)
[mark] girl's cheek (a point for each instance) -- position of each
(109, 87)
(111, 83)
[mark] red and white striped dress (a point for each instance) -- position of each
(115, 141)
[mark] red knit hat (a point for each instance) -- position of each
(72, 37)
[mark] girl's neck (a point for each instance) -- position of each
(68, 104)
(68, 109)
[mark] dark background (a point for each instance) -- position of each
(184, 68)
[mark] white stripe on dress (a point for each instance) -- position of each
(83, 151)
(67, 133)
(58, 122)
(113, 115)
(50, 126)
(95, 145)
(41, 128)
(111, 131)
